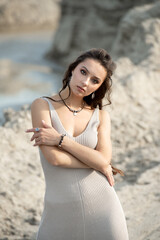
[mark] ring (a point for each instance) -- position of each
(37, 129)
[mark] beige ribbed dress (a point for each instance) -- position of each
(79, 204)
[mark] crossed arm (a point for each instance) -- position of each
(72, 154)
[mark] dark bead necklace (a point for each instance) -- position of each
(70, 109)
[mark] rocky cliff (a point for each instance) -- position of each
(30, 14)
(86, 24)
(130, 31)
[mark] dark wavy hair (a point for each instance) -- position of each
(106, 61)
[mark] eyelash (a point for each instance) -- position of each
(83, 72)
(93, 80)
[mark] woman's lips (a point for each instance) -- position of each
(81, 88)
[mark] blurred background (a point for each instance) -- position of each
(38, 40)
(27, 30)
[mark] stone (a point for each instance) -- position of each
(31, 14)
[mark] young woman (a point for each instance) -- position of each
(73, 134)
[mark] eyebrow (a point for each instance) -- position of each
(89, 72)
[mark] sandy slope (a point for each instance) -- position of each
(22, 183)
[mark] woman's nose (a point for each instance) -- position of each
(85, 82)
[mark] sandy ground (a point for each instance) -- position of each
(22, 183)
(135, 117)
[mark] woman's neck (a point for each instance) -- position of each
(72, 101)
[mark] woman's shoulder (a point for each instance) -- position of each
(104, 112)
(104, 116)
(39, 103)
(41, 99)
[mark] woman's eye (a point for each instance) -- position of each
(83, 72)
(95, 81)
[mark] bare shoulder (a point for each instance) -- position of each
(39, 103)
(104, 133)
(104, 117)
(39, 111)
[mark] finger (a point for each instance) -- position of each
(32, 138)
(37, 139)
(33, 130)
(113, 182)
(35, 135)
(37, 142)
(110, 179)
(30, 130)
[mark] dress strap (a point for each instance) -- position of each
(51, 108)
(49, 103)
(97, 114)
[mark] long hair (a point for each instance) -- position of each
(106, 61)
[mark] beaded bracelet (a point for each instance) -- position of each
(60, 142)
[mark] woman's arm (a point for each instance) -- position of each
(40, 111)
(65, 159)
(100, 157)
(54, 155)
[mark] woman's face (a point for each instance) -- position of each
(87, 77)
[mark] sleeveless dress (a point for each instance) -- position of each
(79, 204)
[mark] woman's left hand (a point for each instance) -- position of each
(45, 136)
(109, 174)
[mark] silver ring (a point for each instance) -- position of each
(37, 129)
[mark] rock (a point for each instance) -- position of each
(21, 171)
(148, 138)
(139, 32)
(19, 158)
(20, 15)
(104, 28)
(135, 117)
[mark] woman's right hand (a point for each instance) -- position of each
(109, 174)
(45, 136)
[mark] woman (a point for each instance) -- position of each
(73, 135)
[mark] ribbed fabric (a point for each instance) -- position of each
(79, 204)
